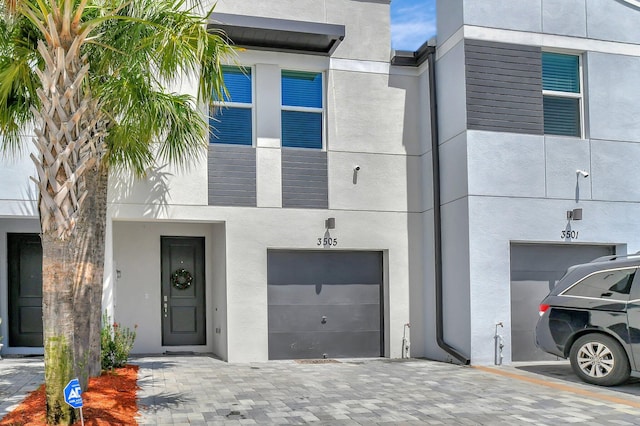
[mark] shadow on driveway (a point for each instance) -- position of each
(561, 370)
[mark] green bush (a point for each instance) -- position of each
(115, 343)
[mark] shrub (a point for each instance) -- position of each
(115, 343)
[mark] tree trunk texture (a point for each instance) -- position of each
(90, 232)
(72, 207)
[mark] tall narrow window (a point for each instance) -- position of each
(232, 122)
(302, 109)
(562, 94)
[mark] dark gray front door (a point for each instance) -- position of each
(25, 290)
(535, 270)
(324, 304)
(183, 306)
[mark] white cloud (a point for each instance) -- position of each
(412, 23)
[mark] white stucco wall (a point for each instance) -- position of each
(500, 188)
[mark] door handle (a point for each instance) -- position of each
(324, 320)
(166, 310)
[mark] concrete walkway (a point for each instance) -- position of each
(201, 390)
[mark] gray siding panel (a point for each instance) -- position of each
(304, 179)
(232, 175)
(504, 87)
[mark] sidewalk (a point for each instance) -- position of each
(201, 390)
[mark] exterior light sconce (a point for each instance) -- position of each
(575, 214)
(583, 173)
(330, 223)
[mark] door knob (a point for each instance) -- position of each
(165, 309)
(324, 320)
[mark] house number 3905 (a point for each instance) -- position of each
(328, 241)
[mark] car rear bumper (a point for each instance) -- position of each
(544, 339)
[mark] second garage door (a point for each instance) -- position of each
(535, 270)
(324, 304)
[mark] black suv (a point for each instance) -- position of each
(592, 317)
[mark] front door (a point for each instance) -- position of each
(25, 290)
(183, 301)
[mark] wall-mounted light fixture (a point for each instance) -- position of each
(330, 223)
(575, 214)
(583, 173)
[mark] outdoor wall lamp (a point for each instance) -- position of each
(575, 214)
(330, 223)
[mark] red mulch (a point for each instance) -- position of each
(109, 400)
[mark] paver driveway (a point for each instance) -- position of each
(201, 390)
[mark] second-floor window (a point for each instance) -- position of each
(232, 121)
(302, 109)
(562, 94)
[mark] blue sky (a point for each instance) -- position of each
(412, 23)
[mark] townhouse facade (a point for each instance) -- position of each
(308, 230)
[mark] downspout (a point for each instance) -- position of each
(437, 213)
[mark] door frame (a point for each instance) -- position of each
(199, 275)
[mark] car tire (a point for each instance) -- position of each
(600, 360)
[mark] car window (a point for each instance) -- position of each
(610, 284)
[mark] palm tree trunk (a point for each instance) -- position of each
(73, 225)
(58, 274)
(90, 231)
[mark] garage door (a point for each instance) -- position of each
(535, 269)
(324, 304)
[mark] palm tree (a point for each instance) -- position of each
(90, 76)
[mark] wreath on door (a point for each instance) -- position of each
(181, 279)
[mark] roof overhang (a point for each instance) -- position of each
(281, 35)
(406, 58)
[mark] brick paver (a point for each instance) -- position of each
(201, 390)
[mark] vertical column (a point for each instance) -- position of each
(268, 131)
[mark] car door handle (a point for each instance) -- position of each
(607, 294)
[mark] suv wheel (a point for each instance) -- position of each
(600, 360)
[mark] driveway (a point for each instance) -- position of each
(201, 390)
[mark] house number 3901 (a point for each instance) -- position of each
(328, 242)
(573, 235)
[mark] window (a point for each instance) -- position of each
(302, 109)
(562, 94)
(613, 284)
(232, 122)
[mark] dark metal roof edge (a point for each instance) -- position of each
(258, 22)
(407, 58)
(326, 37)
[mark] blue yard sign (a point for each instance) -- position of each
(73, 394)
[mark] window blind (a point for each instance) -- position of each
(302, 129)
(238, 84)
(302, 89)
(561, 116)
(231, 126)
(560, 72)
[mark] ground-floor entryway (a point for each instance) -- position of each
(535, 270)
(24, 261)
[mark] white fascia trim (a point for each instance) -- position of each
(635, 3)
(353, 65)
(450, 43)
(549, 41)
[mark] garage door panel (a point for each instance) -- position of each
(323, 294)
(535, 269)
(324, 304)
(309, 318)
(287, 267)
(323, 345)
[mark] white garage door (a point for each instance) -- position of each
(535, 269)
